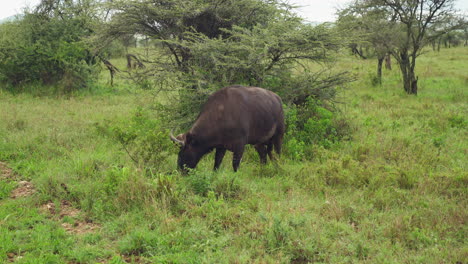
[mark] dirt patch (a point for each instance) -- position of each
(134, 259)
(24, 189)
(77, 225)
(6, 172)
(80, 227)
(128, 259)
(13, 257)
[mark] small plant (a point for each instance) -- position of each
(166, 189)
(362, 252)
(227, 186)
(278, 235)
(375, 80)
(457, 121)
(438, 142)
(139, 243)
(200, 183)
(114, 178)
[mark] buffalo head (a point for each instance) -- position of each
(190, 152)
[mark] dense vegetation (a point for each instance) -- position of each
(88, 174)
(46, 47)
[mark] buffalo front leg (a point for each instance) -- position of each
(219, 155)
(237, 157)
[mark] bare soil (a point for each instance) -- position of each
(78, 226)
(24, 189)
(5, 171)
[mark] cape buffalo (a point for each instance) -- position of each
(231, 118)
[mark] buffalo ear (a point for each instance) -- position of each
(181, 137)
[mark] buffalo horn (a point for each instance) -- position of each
(180, 142)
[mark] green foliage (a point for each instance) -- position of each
(458, 121)
(204, 183)
(142, 137)
(311, 125)
(49, 51)
(48, 48)
(251, 55)
(278, 236)
(36, 239)
(200, 183)
(138, 243)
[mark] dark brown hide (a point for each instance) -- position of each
(231, 118)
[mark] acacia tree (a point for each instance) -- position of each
(415, 17)
(167, 21)
(201, 46)
(361, 22)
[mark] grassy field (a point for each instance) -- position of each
(395, 192)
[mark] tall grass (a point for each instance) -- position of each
(395, 192)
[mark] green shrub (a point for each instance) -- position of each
(295, 148)
(114, 178)
(49, 51)
(227, 186)
(200, 183)
(140, 242)
(457, 121)
(278, 235)
(166, 189)
(374, 80)
(312, 124)
(142, 137)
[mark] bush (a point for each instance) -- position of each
(143, 138)
(312, 124)
(200, 183)
(49, 50)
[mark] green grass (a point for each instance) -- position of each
(396, 192)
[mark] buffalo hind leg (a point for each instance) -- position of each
(277, 142)
(270, 151)
(262, 152)
(219, 155)
(237, 157)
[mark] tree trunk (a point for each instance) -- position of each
(410, 81)
(379, 69)
(388, 62)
